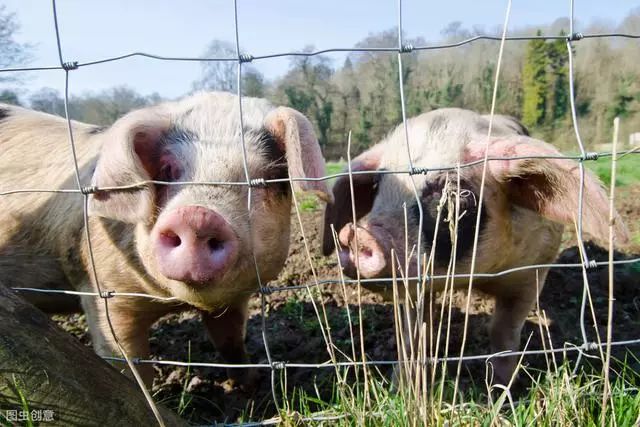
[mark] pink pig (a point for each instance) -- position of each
(526, 203)
(195, 243)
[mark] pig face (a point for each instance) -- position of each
(524, 201)
(197, 242)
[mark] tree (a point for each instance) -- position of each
(9, 97)
(47, 100)
(308, 88)
(12, 53)
(534, 82)
(558, 95)
(223, 75)
(253, 83)
(219, 75)
(103, 108)
(622, 105)
(108, 106)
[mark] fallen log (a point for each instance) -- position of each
(47, 376)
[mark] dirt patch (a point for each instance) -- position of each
(294, 335)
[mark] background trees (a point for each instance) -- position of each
(12, 54)
(359, 92)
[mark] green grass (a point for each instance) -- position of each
(309, 202)
(335, 167)
(17, 400)
(558, 399)
(627, 169)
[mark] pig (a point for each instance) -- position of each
(192, 244)
(525, 205)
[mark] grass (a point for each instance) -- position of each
(628, 169)
(557, 396)
(556, 399)
(335, 167)
(18, 402)
(309, 202)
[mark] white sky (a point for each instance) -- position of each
(92, 30)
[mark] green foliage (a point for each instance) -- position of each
(626, 97)
(558, 102)
(534, 83)
(308, 88)
(308, 202)
(9, 97)
(362, 97)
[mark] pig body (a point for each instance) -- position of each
(195, 243)
(525, 204)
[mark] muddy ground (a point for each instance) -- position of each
(294, 335)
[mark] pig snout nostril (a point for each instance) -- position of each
(195, 245)
(171, 239)
(215, 245)
(366, 251)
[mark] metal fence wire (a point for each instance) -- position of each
(264, 290)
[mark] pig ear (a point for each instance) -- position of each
(549, 186)
(340, 212)
(130, 154)
(294, 133)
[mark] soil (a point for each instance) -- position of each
(294, 335)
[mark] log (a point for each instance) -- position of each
(50, 375)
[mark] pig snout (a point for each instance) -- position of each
(360, 248)
(194, 244)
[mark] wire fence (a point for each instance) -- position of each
(412, 169)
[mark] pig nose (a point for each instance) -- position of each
(368, 255)
(194, 244)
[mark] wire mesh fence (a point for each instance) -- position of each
(423, 278)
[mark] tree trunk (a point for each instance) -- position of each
(48, 375)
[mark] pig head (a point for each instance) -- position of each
(193, 243)
(525, 204)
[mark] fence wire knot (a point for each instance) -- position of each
(135, 360)
(257, 182)
(107, 294)
(89, 190)
(590, 264)
(406, 48)
(575, 37)
(278, 365)
(590, 346)
(245, 57)
(590, 156)
(416, 170)
(71, 65)
(266, 290)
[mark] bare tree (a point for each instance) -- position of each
(223, 75)
(12, 53)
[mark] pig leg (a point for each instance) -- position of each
(226, 329)
(511, 311)
(131, 328)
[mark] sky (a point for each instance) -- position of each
(92, 30)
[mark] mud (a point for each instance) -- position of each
(294, 333)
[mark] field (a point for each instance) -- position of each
(294, 334)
